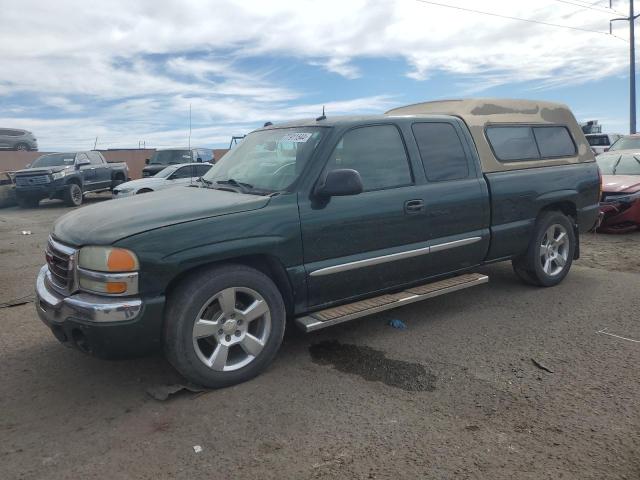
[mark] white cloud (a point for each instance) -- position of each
(112, 68)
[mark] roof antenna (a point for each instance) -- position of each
(323, 116)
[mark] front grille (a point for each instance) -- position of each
(60, 259)
(27, 180)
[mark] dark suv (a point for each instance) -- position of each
(173, 156)
(15, 139)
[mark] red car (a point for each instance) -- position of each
(620, 202)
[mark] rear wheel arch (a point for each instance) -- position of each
(566, 206)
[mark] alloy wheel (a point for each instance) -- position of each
(231, 329)
(554, 250)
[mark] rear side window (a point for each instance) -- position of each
(522, 143)
(377, 153)
(513, 143)
(202, 169)
(441, 151)
(554, 142)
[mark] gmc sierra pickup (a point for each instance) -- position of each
(320, 222)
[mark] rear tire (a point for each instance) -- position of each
(73, 195)
(223, 325)
(22, 147)
(550, 253)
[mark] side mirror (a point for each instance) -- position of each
(340, 183)
(28, 165)
(146, 161)
(82, 163)
(199, 160)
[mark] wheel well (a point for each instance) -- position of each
(73, 180)
(566, 207)
(266, 264)
(145, 190)
(118, 176)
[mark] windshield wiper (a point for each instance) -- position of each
(235, 183)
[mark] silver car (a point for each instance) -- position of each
(171, 176)
(16, 139)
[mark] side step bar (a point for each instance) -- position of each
(369, 306)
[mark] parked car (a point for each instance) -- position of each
(16, 139)
(620, 203)
(601, 142)
(626, 142)
(67, 176)
(322, 221)
(173, 156)
(171, 176)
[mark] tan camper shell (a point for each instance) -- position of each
(484, 116)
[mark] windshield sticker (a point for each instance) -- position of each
(300, 137)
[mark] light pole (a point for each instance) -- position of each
(632, 64)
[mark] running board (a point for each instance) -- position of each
(351, 311)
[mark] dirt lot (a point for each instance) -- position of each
(456, 394)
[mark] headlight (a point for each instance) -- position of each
(120, 267)
(59, 175)
(108, 259)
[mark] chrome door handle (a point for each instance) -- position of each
(413, 206)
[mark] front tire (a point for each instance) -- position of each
(550, 253)
(223, 325)
(73, 195)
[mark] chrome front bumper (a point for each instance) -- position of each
(54, 308)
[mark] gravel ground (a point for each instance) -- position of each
(456, 394)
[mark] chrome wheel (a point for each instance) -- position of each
(231, 329)
(554, 250)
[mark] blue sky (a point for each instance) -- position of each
(127, 72)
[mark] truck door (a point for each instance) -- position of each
(101, 170)
(456, 196)
(359, 244)
(87, 171)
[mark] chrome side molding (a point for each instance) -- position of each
(368, 262)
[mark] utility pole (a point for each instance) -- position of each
(632, 63)
(189, 126)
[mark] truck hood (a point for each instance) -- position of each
(42, 170)
(620, 183)
(107, 222)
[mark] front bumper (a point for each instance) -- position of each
(109, 327)
(45, 190)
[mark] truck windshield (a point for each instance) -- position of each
(269, 160)
(54, 160)
(170, 157)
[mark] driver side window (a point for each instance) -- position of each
(377, 153)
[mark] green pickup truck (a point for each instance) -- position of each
(318, 222)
